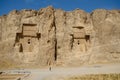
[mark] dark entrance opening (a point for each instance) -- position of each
(78, 42)
(21, 48)
(28, 41)
(87, 37)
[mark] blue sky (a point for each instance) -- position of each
(88, 5)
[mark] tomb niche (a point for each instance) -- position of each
(27, 39)
(80, 40)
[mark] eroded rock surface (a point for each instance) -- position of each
(49, 36)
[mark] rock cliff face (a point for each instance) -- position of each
(49, 36)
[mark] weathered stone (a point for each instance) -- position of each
(55, 37)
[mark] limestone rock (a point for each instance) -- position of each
(49, 36)
(107, 35)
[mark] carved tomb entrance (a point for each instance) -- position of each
(28, 38)
(80, 39)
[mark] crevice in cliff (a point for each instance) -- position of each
(54, 24)
(71, 41)
(91, 17)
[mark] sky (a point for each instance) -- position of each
(88, 5)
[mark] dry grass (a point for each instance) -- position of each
(96, 77)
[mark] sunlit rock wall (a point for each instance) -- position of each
(49, 36)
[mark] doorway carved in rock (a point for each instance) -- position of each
(80, 39)
(28, 38)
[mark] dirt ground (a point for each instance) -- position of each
(54, 72)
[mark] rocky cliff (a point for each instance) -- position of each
(30, 38)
